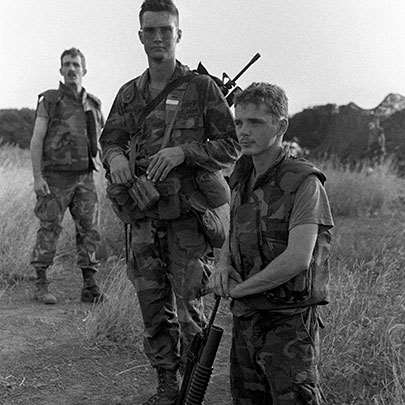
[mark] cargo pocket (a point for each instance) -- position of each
(189, 237)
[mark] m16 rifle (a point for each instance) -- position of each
(226, 83)
(200, 358)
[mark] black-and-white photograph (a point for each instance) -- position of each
(202, 202)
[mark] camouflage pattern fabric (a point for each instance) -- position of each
(169, 268)
(274, 359)
(202, 115)
(171, 259)
(78, 193)
(66, 144)
(260, 229)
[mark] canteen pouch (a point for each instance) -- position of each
(214, 187)
(212, 225)
(169, 205)
(144, 193)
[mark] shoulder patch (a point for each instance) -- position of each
(294, 171)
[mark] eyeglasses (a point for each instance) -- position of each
(165, 31)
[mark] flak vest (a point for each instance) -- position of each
(70, 143)
(259, 233)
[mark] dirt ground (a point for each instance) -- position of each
(46, 359)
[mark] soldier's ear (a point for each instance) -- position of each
(179, 34)
(140, 35)
(84, 71)
(283, 126)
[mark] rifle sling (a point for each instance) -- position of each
(148, 109)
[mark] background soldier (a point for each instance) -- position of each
(63, 148)
(181, 145)
(275, 266)
(376, 142)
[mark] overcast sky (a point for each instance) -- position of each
(319, 51)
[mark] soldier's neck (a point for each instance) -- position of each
(265, 160)
(76, 89)
(160, 73)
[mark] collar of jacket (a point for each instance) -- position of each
(244, 168)
(68, 92)
(144, 79)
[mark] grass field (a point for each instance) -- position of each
(363, 349)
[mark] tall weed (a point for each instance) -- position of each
(361, 190)
(117, 319)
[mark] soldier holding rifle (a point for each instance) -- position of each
(275, 264)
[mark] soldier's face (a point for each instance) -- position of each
(159, 35)
(257, 129)
(72, 70)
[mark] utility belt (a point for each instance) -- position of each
(177, 195)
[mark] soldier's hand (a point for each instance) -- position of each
(223, 278)
(163, 161)
(41, 187)
(120, 170)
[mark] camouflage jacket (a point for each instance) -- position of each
(203, 126)
(260, 228)
(69, 144)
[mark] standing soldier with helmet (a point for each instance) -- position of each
(275, 265)
(167, 138)
(375, 142)
(63, 151)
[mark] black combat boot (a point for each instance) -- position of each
(41, 292)
(167, 390)
(90, 291)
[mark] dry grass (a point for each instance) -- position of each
(361, 190)
(363, 343)
(118, 319)
(17, 227)
(363, 349)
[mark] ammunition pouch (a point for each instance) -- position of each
(122, 203)
(144, 193)
(169, 205)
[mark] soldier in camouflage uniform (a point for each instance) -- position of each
(63, 151)
(375, 152)
(188, 136)
(275, 264)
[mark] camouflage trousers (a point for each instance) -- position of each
(274, 359)
(78, 193)
(169, 267)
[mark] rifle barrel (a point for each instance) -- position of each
(250, 63)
